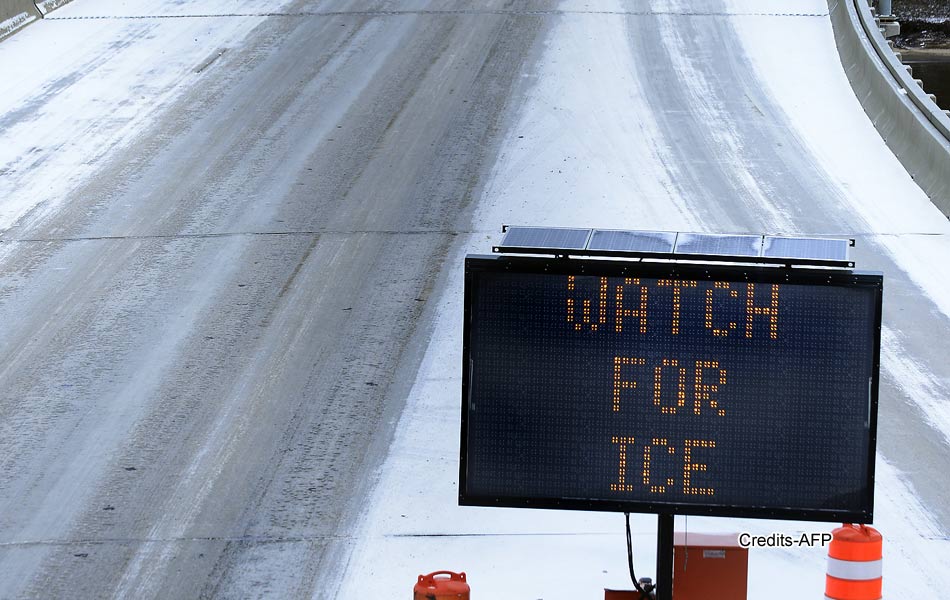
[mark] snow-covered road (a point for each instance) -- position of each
(231, 239)
(713, 116)
(221, 221)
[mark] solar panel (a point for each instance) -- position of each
(743, 248)
(717, 244)
(632, 241)
(561, 238)
(812, 248)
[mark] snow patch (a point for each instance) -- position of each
(917, 382)
(572, 148)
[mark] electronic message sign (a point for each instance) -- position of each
(670, 388)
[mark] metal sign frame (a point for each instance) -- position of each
(669, 270)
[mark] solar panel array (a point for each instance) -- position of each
(673, 245)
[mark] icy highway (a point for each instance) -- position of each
(230, 242)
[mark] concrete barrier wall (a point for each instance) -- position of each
(15, 14)
(912, 125)
(47, 6)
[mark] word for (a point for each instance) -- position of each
(685, 383)
(644, 452)
(631, 304)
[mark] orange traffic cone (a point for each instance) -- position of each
(854, 564)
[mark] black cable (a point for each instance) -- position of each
(644, 593)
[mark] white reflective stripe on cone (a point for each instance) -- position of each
(855, 570)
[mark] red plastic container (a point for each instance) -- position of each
(441, 585)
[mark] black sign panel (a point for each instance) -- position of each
(654, 387)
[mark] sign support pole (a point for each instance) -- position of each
(664, 557)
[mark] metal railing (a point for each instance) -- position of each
(915, 93)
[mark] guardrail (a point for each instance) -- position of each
(916, 93)
(912, 125)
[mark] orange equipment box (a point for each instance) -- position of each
(711, 567)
